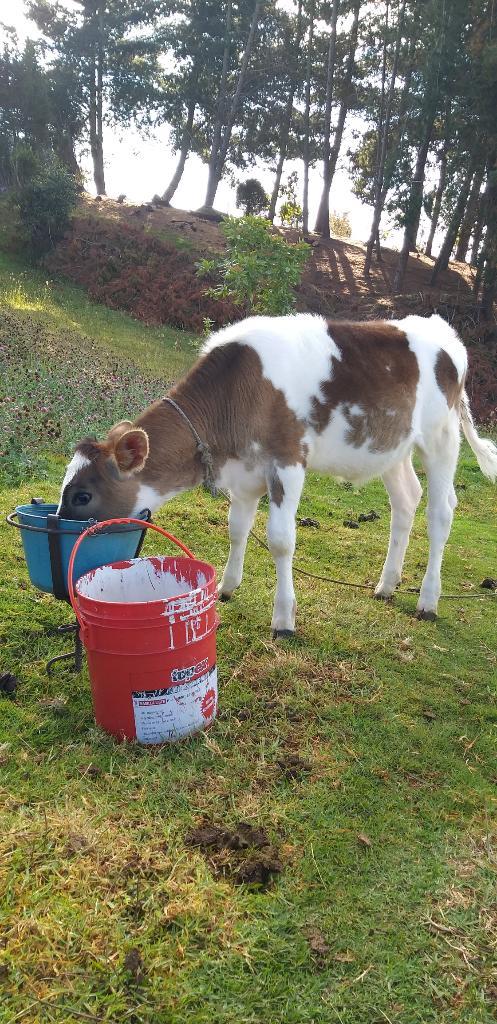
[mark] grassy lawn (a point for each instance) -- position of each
(70, 366)
(365, 751)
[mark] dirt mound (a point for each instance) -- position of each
(125, 267)
(143, 259)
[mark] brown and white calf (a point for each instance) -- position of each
(273, 397)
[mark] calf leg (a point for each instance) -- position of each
(440, 461)
(404, 491)
(285, 488)
(241, 516)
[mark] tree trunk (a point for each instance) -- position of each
(397, 134)
(442, 261)
(96, 141)
(220, 112)
(490, 264)
(415, 201)
(479, 255)
(100, 99)
(478, 231)
(183, 153)
(437, 205)
(277, 180)
(330, 75)
(307, 112)
(65, 151)
(323, 217)
(382, 154)
(469, 216)
(489, 281)
(381, 115)
(378, 247)
(95, 108)
(287, 120)
(226, 138)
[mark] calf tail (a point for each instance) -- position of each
(484, 449)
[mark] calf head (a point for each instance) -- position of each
(101, 481)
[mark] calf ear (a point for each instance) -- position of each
(131, 450)
(117, 431)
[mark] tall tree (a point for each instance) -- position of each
(95, 14)
(445, 26)
(437, 202)
(106, 45)
(185, 146)
(324, 210)
(293, 73)
(194, 43)
(307, 120)
(469, 218)
(442, 260)
(383, 139)
(39, 109)
(415, 200)
(489, 286)
(483, 47)
(225, 121)
(478, 229)
(323, 216)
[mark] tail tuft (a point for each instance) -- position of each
(484, 449)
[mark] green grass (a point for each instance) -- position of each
(60, 306)
(395, 720)
(72, 367)
(172, 238)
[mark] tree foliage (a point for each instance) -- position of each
(242, 83)
(251, 197)
(39, 111)
(112, 47)
(45, 201)
(259, 270)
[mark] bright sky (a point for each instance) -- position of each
(141, 167)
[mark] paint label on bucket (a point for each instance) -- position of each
(166, 715)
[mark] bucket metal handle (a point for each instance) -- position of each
(94, 529)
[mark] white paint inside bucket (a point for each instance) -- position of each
(139, 582)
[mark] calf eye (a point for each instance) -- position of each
(81, 498)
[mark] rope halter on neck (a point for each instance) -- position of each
(202, 448)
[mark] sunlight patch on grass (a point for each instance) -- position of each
(17, 296)
(159, 351)
(56, 343)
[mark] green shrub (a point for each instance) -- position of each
(291, 214)
(251, 197)
(18, 164)
(290, 210)
(340, 225)
(25, 164)
(45, 204)
(259, 270)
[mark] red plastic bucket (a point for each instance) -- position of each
(149, 629)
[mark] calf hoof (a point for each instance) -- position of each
(383, 597)
(286, 634)
(426, 616)
(225, 597)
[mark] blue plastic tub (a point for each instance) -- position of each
(115, 546)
